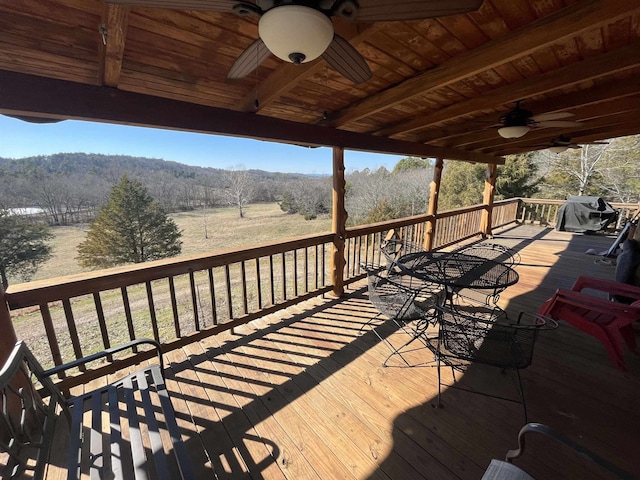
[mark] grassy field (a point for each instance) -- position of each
(262, 223)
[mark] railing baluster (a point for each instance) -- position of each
(212, 292)
(229, 295)
(174, 307)
(324, 253)
(273, 292)
(284, 277)
(128, 316)
(194, 301)
(306, 269)
(102, 323)
(73, 332)
(295, 273)
(243, 277)
(51, 336)
(259, 283)
(152, 312)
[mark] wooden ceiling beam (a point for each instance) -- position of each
(31, 95)
(598, 66)
(598, 95)
(113, 34)
(566, 23)
(287, 76)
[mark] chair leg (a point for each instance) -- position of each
(438, 405)
(629, 336)
(524, 401)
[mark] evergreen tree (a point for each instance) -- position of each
(131, 228)
(516, 178)
(23, 246)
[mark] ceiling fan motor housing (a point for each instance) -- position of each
(296, 33)
(516, 117)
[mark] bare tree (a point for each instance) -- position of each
(239, 190)
(608, 170)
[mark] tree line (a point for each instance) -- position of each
(71, 187)
(127, 199)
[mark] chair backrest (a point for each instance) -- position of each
(27, 421)
(486, 340)
(393, 247)
(492, 251)
(391, 297)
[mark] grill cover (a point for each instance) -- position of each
(585, 214)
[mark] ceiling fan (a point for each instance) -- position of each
(299, 31)
(517, 122)
(562, 143)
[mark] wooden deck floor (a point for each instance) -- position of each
(302, 395)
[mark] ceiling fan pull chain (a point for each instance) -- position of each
(102, 29)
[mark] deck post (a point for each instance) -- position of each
(432, 208)
(8, 337)
(339, 223)
(489, 192)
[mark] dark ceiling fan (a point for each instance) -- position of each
(299, 31)
(562, 143)
(518, 121)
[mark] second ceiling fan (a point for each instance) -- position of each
(299, 31)
(517, 122)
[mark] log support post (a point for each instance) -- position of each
(8, 337)
(339, 223)
(489, 193)
(432, 209)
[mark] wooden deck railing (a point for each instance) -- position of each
(178, 301)
(175, 301)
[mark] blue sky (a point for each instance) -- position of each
(20, 139)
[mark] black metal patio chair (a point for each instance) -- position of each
(407, 302)
(493, 252)
(466, 338)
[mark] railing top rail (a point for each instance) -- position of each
(22, 295)
(386, 225)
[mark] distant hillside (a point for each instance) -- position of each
(71, 187)
(105, 165)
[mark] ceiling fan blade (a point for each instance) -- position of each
(386, 10)
(543, 117)
(558, 123)
(248, 61)
(345, 59)
(211, 5)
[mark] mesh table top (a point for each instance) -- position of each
(458, 270)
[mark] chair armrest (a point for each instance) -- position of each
(105, 353)
(608, 286)
(549, 432)
(581, 300)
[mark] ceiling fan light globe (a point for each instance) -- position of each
(295, 32)
(514, 131)
(558, 148)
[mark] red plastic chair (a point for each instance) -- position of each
(610, 322)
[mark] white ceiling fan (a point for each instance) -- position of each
(517, 122)
(562, 143)
(299, 31)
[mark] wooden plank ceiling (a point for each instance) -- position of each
(438, 88)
